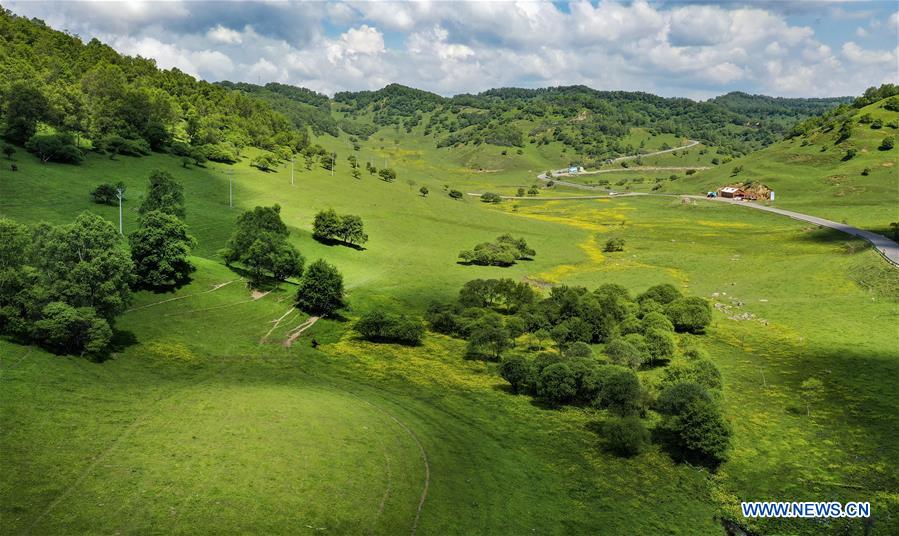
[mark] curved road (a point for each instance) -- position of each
(887, 248)
(564, 172)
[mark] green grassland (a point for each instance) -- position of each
(201, 423)
(809, 174)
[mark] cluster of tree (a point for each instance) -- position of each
(259, 242)
(504, 251)
(61, 286)
(381, 326)
(348, 228)
(123, 105)
(491, 313)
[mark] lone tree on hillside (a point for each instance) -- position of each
(423, 191)
(259, 241)
(387, 174)
(160, 251)
(321, 289)
(164, 194)
(328, 225)
(105, 194)
(887, 143)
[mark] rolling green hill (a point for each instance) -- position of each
(224, 408)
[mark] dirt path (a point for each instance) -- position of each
(295, 333)
(213, 289)
(276, 323)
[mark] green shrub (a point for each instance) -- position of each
(55, 148)
(614, 244)
(557, 384)
(517, 371)
(691, 314)
(887, 143)
(698, 434)
(625, 436)
(621, 393)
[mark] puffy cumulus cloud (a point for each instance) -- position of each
(857, 54)
(694, 48)
(220, 34)
(207, 63)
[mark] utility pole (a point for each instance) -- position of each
(120, 193)
(292, 158)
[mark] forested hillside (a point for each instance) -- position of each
(89, 96)
(595, 124)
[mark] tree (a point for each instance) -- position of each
(351, 230)
(517, 371)
(887, 143)
(423, 191)
(622, 352)
(488, 338)
(272, 254)
(698, 434)
(321, 289)
(700, 370)
(387, 174)
(663, 294)
(326, 224)
(490, 197)
(160, 251)
(660, 344)
(83, 264)
(614, 244)
(578, 349)
(164, 194)
(68, 330)
(503, 252)
(25, 105)
(520, 192)
(250, 225)
(655, 320)
(455, 194)
(850, 154)
(676, 398)
(625, 436)
(379, 326)
(621, 393)
(55, 148)
(557, 384)
(328, 161)
(265, 162)
(691, 314)
(8, 151)
(106, 194)
(356, 173)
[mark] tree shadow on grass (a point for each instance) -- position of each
(335, 242)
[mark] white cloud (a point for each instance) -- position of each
(223, 35)
(450, 47)
(857, 54)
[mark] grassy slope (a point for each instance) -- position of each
(202, 351)
(816, 180)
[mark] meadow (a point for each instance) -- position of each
(204, 421)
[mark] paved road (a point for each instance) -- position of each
(564, 172)
(886, 247)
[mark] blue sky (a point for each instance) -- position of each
(694, 49)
